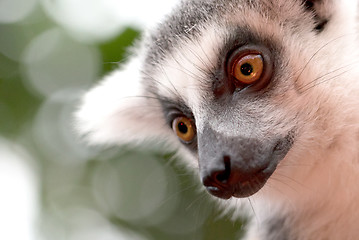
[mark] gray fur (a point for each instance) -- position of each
(183, 23)
(296, 130)
(277, 229)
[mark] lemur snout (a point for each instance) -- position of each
(227, 179)
(238, 166)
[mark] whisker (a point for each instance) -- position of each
(254, 212)
(200, 197)
(328, 73)
(185, 70)
(281, 192)
(161, 84)
(170, 82)
(320, 49)
(292, 180)
(211, 65)
(296, 165)
(204, 71)
(176, 194)
(188, 73)
(208, 65)
(324, 81)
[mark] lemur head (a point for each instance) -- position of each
(238, 87)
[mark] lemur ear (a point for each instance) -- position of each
(118, 111)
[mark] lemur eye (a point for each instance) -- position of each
(250, 66)
(247, 69)
(184, 129)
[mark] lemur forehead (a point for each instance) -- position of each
(186, 51)
(187, 20)
(183, 23)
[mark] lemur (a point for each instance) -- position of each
(260, 98)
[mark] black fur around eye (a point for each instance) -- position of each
(309, 5)
(321, 21)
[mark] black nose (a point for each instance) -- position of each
(229, 178)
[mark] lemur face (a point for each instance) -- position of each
(238, 87)
(223, 106)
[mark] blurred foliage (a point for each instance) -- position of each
(17, 105)
(83, 188)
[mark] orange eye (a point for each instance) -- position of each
(247, 69)
(184, 129)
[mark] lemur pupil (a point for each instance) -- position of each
(182, 128)
(246, 69)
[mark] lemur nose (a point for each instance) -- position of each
(217, 180)
(226, 180)
(222, 176)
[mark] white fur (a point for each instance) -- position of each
(316, 183)
(117, 111)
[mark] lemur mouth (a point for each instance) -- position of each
(245, 173)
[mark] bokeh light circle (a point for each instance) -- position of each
(54, 132)
(145, 204)
(53, 62)
(19, 192)
(12, 11)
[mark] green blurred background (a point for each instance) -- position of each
(54, 187)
